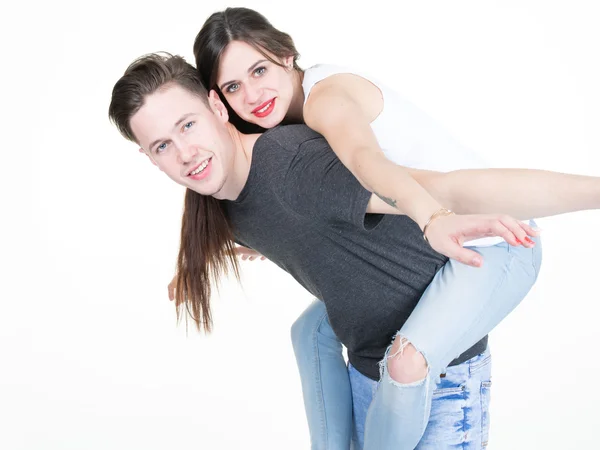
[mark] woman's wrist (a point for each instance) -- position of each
(442, 212)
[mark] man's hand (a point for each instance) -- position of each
(446, 234)
(243, 252)
(247, 253)
(171, 288)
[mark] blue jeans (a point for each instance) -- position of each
(325, 383)
(461, 305)
(459, 408)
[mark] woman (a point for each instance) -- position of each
(379, 137)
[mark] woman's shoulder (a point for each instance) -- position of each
(320, 72)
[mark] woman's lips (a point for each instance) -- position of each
(265, 109)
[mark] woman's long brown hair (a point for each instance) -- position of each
(206, 253)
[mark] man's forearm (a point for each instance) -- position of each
(521, 193)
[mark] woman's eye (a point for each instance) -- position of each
(232, 88)
(260, 71)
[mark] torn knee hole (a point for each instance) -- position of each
(405, 363)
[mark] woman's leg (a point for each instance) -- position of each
(461, 305)
(325, 384)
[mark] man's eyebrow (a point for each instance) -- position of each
(182, 118)
(252, 67)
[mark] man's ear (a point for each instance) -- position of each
(151, 160)
(289, 62)
(217, 106)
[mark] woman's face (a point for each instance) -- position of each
(259, 91)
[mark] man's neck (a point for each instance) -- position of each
(244, 145)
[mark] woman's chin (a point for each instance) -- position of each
(270, 121)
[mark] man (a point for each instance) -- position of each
(286, 195)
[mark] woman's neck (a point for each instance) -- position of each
(295, 112)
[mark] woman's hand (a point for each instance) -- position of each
(447, 234)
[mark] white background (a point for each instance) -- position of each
(90, 353)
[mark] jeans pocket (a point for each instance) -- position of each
(485, 412)
(449, 392)
(480, 362)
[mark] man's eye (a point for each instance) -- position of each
(161, 147)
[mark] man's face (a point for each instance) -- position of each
(186, 139)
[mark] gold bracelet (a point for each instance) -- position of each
(439, 213)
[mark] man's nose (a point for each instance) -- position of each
(187, 152)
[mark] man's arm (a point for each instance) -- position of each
(521, 193)
(318, 187)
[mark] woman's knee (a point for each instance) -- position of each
(405, 364)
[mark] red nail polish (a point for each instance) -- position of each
(529, 240)
(519, 242)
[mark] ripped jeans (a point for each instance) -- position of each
(461, 305)
(459, 408)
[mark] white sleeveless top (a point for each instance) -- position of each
(408, 136)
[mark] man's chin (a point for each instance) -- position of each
(205, 193)
(208, 192)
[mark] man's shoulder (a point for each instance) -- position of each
(288, 136)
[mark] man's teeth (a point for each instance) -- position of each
(200, 168)
(262, 110)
